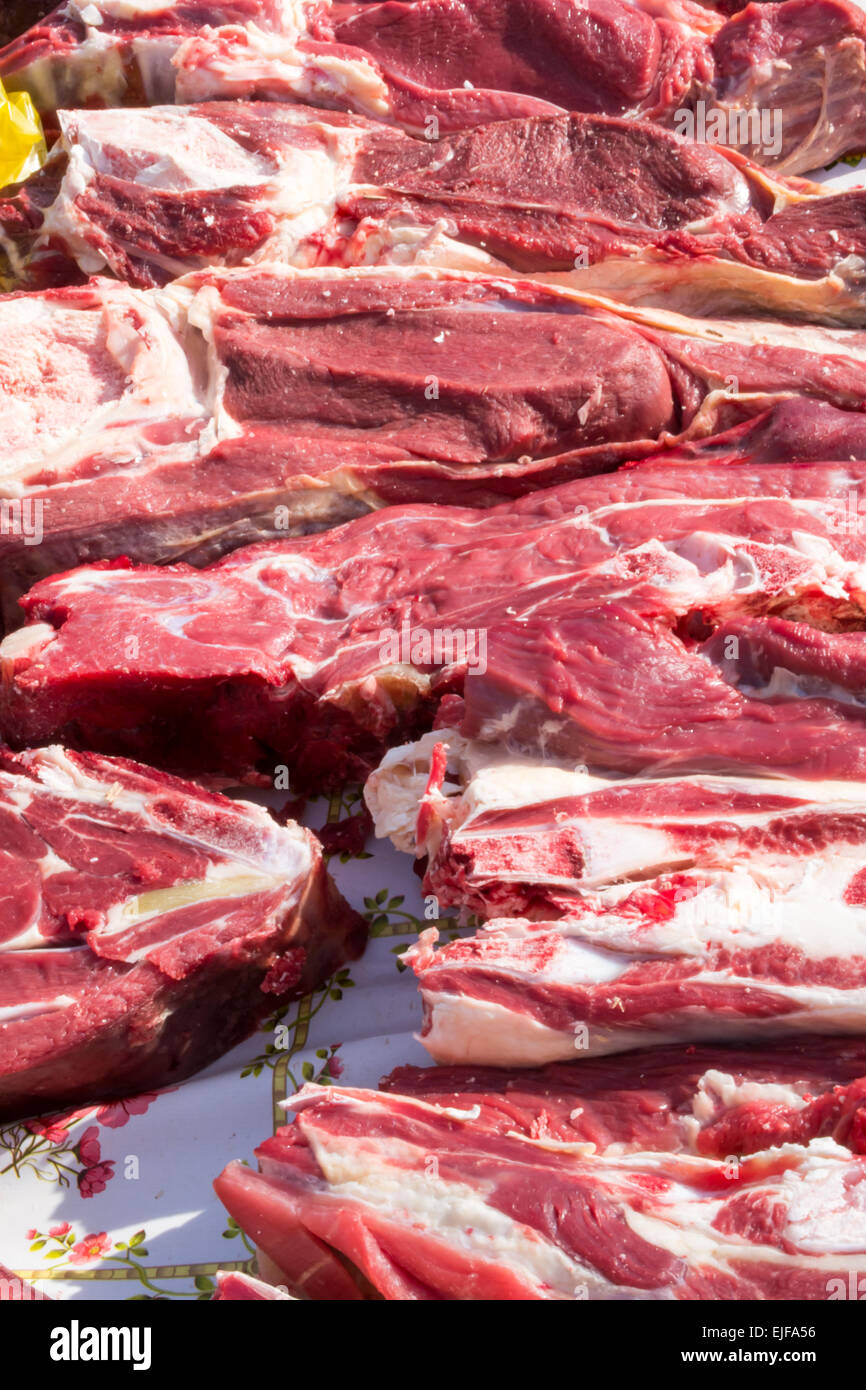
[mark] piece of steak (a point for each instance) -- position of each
(623, 911)
(147, 926)
(233, 406)
(615, 207)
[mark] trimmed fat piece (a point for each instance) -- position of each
(696, 1174)
(146, 927)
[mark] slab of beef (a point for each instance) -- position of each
(662, 617)
(783, 82)
(233, 1286)
(146, 927)
(707, 1174)
(611, 206)
(506, 836)
(623, 911)
(255, 403)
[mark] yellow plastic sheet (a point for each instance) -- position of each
(22, 144)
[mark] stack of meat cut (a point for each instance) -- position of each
(430, 404)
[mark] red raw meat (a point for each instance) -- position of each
(610, 206)
(461, 63)
(146, 927)
(598, 1180)
(598, 622)
(255, 403)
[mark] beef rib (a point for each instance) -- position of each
(146, 927)
(627, 911)
(580, 1182)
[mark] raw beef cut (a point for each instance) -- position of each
(659, 617)
(609, 206)
(122, 402)
(628, 911)
(712, 1101)
(782, 82)
(506, 836)
(146, 927)
(232, 406)
(540, 1186)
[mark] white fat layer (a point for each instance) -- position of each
(740, 909)
(175, 151)
(462, 1029)
(454, 1212)
(119, 367)
(16, 1013)
(272, 65)
(825, 1215)
(26, 642)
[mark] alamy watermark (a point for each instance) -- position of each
(23, 517)
(444, 646)
(758, 128)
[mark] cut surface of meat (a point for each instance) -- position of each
(153, 193)
(146, 927)
(609, 206)
(546, 1185)
(783, 82)
(681, 907)
(232, 406)
(99, 392)
(659, 618)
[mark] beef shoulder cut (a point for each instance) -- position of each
(263, 402)
(621, 208)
